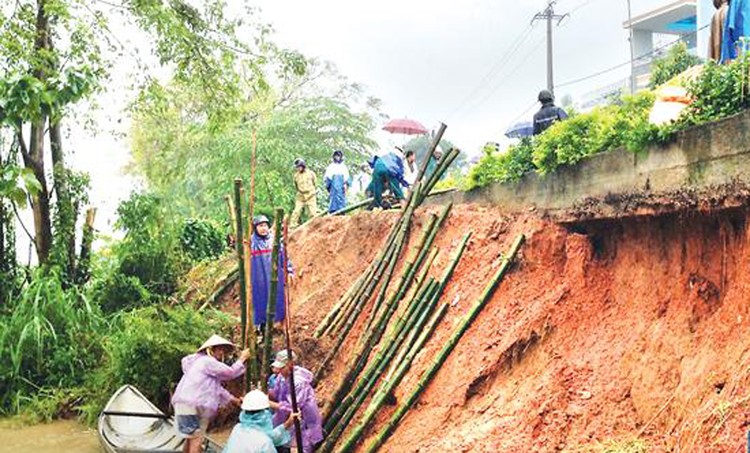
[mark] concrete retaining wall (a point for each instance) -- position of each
(699, 158)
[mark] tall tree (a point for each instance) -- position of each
(55, 53)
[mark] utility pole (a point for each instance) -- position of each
(549, 15)
(632, 50)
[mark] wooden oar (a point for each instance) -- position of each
(136, 414)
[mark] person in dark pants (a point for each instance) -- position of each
(548, 114)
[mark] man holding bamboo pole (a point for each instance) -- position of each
(311, 421)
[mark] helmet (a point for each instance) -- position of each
(258, 219)
(338, 153)
(299, 162)
(282, 358)
(255, 400)
(546, 96)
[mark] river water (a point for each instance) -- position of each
(57, 437)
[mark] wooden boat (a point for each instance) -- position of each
(130, 423)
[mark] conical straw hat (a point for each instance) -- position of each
(215, 340)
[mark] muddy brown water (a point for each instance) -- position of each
(56, 437)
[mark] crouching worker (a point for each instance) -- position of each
(312, 429)
(255, 432)
(200, 393)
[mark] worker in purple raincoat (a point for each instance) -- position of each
(199, 393)
(262, 245)
(312, 428)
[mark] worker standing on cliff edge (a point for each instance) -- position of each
(304, 182)
(548, 114)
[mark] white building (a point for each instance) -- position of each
(654, 32)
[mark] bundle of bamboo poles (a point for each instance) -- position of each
(413, 318)
(439, 360)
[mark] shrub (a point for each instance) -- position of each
(677, 60)
(201, 240)
(118, 291)
(721, 90)
(50, 336)
(150, 250)
(145, 349)
(503, 167)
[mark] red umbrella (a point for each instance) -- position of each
(405, 126)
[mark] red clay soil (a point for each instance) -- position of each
(635, 332)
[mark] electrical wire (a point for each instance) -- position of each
(618, 66)
(494, 69)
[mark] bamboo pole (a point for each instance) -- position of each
(433, 146)
(232, 215)
(369, 377)
(340, 319)
(444, 353)
(287, 331)
(357, 309)
(239, 247)
(379, 400)
(253, 375)
(447, 275)
(340, 305)
(395, 240)
(230, 280)
(374, 335)
(350, 208)
(442, 167)
(408, 274)
(348, 408)
(357, 362)
(340, 407)
(420, 278)
(271, 301)
(412, 320)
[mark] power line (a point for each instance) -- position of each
(495, 68)
(618, 66)
(512, 72)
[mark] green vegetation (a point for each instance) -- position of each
(720, 91)
(677, 60)
(75, 326)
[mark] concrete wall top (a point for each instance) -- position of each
(699, 158)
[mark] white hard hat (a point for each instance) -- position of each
(255, 400)
(215, 340)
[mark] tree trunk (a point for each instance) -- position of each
(33, 155)
(33, 159)
(67, 213)
(83, 269)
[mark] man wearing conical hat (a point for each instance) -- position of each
(200, 394)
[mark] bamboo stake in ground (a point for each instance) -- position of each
(271, 301)
(445, 352)
(287, 331)
(232, 215)
(250, 335)
(240, 248)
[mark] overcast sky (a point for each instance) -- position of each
(452, 61)
(430, 60)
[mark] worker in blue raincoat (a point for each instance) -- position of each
(338, 181)
(261, 249)
(387, 173)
